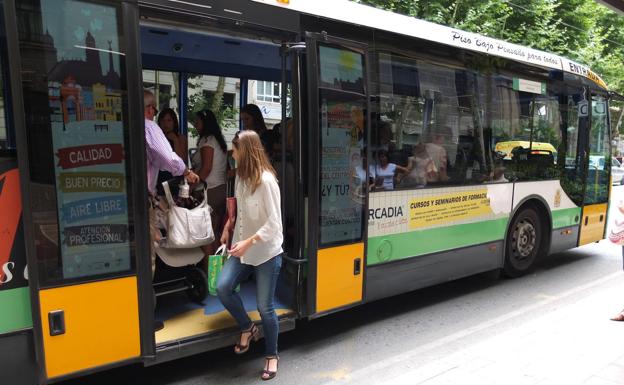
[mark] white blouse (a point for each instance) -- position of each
(216, 177)
(259, 214)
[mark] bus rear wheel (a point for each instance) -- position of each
(523, 243)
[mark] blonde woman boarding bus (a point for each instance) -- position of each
(256, 246)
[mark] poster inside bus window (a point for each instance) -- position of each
(86, 99)
(341, 69)
(343, 177)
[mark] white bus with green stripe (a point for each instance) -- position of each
(410, 154)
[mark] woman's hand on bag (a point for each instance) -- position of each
(240, 248)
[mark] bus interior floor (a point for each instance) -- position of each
(183, 318)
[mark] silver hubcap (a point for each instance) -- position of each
(524, 239)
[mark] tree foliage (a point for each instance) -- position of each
(198, 101)
(581, 30)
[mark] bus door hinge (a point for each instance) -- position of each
(295, 47)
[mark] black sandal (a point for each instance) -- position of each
(253, 330)
(266, 373)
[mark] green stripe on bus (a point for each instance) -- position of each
(395, 247)
(566, 217)
(15, 312)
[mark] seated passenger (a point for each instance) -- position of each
(385, 172)
(498, 172)
(498, 175)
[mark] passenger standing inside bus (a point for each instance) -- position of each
(210, 163)
(160, 156)
(252, 119)
(386, 171)
(257, 246)
(168, 122)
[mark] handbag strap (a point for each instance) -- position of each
(168, 194)
(221, 250)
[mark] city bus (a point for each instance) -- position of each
(385, 153)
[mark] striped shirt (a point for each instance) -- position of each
(160, 155)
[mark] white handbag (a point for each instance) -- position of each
(188, 228)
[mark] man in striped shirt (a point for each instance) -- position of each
(160, 156)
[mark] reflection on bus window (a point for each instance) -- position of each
(525, 127)
(427, 108)
(342, 100)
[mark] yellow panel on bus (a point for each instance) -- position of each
(338, 283)
(593, 223)
(101, 325)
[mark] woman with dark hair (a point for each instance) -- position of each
(385, 171)
(210, 163)
(252, 119)
(168, 122)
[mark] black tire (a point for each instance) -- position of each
(523, 244)
(198, 282)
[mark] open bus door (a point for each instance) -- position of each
(338, 173)
(77, 105)
(597, 180)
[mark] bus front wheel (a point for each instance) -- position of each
(523, 243)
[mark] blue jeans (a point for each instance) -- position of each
(233, 273)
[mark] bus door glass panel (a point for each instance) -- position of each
(597, 182)
(73, 58)
(342, 98)
(570, 158)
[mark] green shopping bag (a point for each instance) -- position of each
(215, 265)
